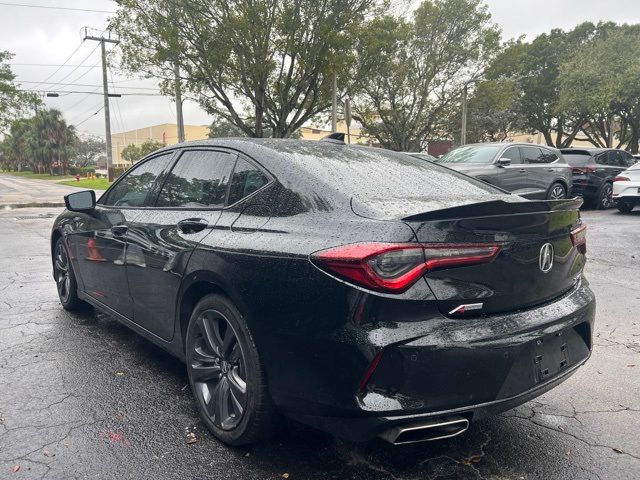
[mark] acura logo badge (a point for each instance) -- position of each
(546, 257)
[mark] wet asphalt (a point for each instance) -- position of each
(81, 396)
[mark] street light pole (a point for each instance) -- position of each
(463, 130)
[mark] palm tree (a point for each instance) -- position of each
(51, 140)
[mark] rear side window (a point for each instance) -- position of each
(603, 159)
(627, 159)
(512, 154)
(137, 184)
(532, 155)
(199, 179)
(246, 179)
(548, 156)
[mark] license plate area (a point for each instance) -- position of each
(551, 356)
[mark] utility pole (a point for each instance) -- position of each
(611, 130)
(463, 130)
(179, 116)
(105, 91)
(334, 105)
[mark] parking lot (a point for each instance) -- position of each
(81, 396)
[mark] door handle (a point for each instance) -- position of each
(119, 230)
(192, 225)
(551, 169)
(522, 170)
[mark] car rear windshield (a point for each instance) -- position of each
(577, 158)
(471, 154)
(374, 173)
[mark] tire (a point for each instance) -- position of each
(222, 358)
(557, 191)
(605, 197)
(625, 206)
(65, 278)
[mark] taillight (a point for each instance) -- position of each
(579, 238)
(622, 179)
(394, 267)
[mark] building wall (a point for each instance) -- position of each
(167, 133)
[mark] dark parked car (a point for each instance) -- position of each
(531, 171)
(361, 291)
(594, 170)
(423, 156)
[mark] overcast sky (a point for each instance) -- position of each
(49, 36)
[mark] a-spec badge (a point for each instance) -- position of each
(468, 307)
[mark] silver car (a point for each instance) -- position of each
(528, 170)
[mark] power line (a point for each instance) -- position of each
(68, 74)
(49, 7)
(89, 117)
(49, 65)
(86, 85)
(68, 92)
(63, 64)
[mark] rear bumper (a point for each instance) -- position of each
(584, 187)
(472, 367)
(626, 190)
(359, 429)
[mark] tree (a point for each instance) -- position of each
(492, 112)
(13, 101)
(259, 64)
(601, 83)
(50, 141)
(15, 147)
(411, 73)
(221, 127)
(132, 153)
(88, 150)
(534, 69)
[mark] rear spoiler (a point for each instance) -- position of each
(496, 208)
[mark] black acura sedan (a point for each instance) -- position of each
(361, 291)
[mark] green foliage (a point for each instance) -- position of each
(492, 112)
(42, 142)
(411, 73)
(132, 153)
(601, 85)
(266, 66)
(13, 101)
(88, 150)
(534, 69)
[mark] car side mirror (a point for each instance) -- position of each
(503, 162)
(80, 201)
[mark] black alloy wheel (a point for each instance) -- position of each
(605, 200)
(64, 277)
(226, 375)
(218, 370)
(557, 192)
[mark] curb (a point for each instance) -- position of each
(11, 206)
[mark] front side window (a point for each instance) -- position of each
(137, 184)
(246, 180)
(198, 180)
(471, 154)
(512, 154)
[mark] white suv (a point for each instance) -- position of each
(626, 189)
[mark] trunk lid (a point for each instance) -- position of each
(530, 232)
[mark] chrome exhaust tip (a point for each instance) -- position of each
(426, 431)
